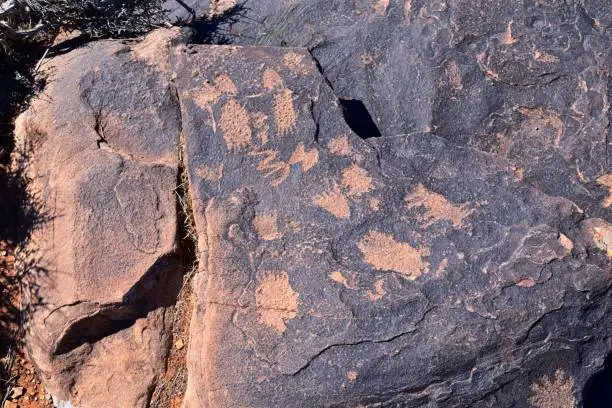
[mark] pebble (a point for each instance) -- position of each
(16, 393)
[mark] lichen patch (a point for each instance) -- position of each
(307, 159)
(356, 180)
(566, 243)
(544, 57)
(334, 202)
(374, 204)
(148, 50)
(340, 146)
(526, 283)
(284, 113)
(599, 233)
(266, 227)
(507, 38)
(407, 9)
(383, 252)
(442, 267)
(277, 302)
(381, 6)
(271, 80)
(557, 392)
(235, 126)
(366, 58)
(437, 207)
(219, 7)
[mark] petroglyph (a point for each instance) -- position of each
(340, 146)
(271, 80)
(383, 252)
(260, 123)
(334, 202)
(356, 180)
(557, 392)
(307, 159)
(271, 166)
(295, 62)
(266, 226)
(436, 207)
(225, 85)
(235, 126)
(277, 302)
(210, 174)
(284, 114)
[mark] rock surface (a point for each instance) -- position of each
(337, 271)
(460, 259)
(107, 258)
(523, 80)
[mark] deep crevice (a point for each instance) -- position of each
(171, 386)
(160, 287)
(597, 392)
(359, 119)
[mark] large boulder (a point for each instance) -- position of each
(102, 143)
(523, 80)
(364, 238)
(337, 271)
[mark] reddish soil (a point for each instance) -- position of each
(20, 386)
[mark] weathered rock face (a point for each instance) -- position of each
(524, 80)
(462, 258)
(337, 271)
(104, 139)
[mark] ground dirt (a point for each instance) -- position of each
(20, 385)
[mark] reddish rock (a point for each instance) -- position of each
(335, 269)
(102, 144)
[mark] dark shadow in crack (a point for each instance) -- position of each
(597, 392)
(157, 289)
(216, 29)
(359, 119)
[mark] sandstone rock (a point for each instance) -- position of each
(103, 143)
(459, 259)
(526, 81)
(337, 271)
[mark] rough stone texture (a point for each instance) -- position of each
(523, 80)
(460, 259)
(102, 140)
(399, 270)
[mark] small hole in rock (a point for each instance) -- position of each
(358, 118)
(597, 392)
